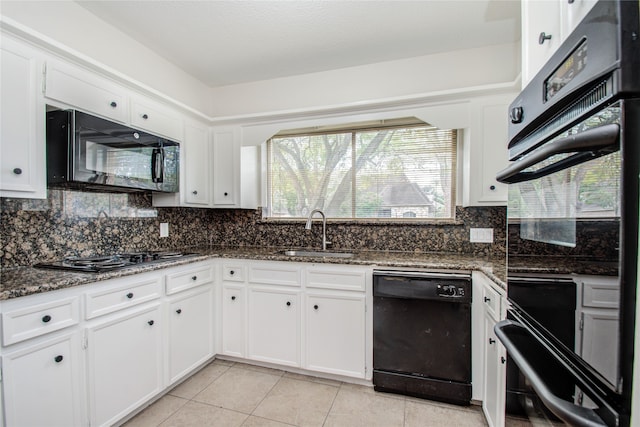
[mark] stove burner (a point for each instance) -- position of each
(168, 255)
(112, 262)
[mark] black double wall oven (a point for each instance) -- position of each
(574, 144)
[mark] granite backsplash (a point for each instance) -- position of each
(71, 223)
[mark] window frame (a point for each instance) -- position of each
(455, 158)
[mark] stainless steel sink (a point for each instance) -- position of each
(318, 254)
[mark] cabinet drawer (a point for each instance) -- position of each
(275, 274)
(86, 91)
(601, 292)
(491, 300)
(156, 119)
(336, 278)
(234, 273)
(21, 324)
(191, 278)
(124, 294)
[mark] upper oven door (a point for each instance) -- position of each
(572, 179)
(105, 153)
(573, 212)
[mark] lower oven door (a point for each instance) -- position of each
(547, 373)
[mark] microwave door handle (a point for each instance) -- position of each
(157, 165)
(566, 411)
(587, 145)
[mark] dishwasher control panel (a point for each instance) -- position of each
(453, 288)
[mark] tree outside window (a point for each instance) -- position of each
(399, 172)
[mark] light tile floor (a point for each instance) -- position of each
(234, 394)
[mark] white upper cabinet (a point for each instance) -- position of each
(541, 34)
(545, 25)
(484, 151)
(573, 12)
(22, 124)
(155, 118)
(196, 151)
(86, 91)
(226, 167)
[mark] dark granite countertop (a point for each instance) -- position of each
(561, 266)
(21, 281)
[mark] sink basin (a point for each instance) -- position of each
(318, 253)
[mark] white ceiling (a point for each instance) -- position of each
(228, 42)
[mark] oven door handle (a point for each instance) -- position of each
(586, 145)
(566, 411)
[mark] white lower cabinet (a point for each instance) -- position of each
(191, 325)
(274, 325)
(311, 316)
(125, 363)
(234, 310)
(42, 383)
(335, 333)
(598, 318)
(494, 376)
(93, 354)
(494, 354)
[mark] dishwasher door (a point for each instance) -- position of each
(422, 336)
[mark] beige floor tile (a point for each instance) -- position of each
(225, 362)
(369, 389)
(198, 382)
(201, 415)
(517, 422)
(359, 407)
(238, 389)
(159, 411)
(255, 368)
(254, 421)
(302, 403)
(419, 414)
(319, 380)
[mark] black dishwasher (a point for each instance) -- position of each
(422, 335)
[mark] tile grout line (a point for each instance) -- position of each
(265, 396)
(324, 422)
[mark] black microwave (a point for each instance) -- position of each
(87, 152)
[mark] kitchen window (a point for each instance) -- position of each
(401, 171)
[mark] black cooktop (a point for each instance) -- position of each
(104, 263)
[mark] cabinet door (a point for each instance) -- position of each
(125, 363)
(22, 113)
(234, 319)
(539, 17)
(600, 341)
(335, 334)
(197, 166)
(42, 385)
(573, 13)
(190, 331)
(86, 91)
(156, 118)
(274, 326)
(226, 167)
(494, 375)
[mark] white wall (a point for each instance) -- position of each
(69, 24)
(368, 84)
(359, 87)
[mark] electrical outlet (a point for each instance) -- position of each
(164, 229)
(481, 235)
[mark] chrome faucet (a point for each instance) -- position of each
(324, 227)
